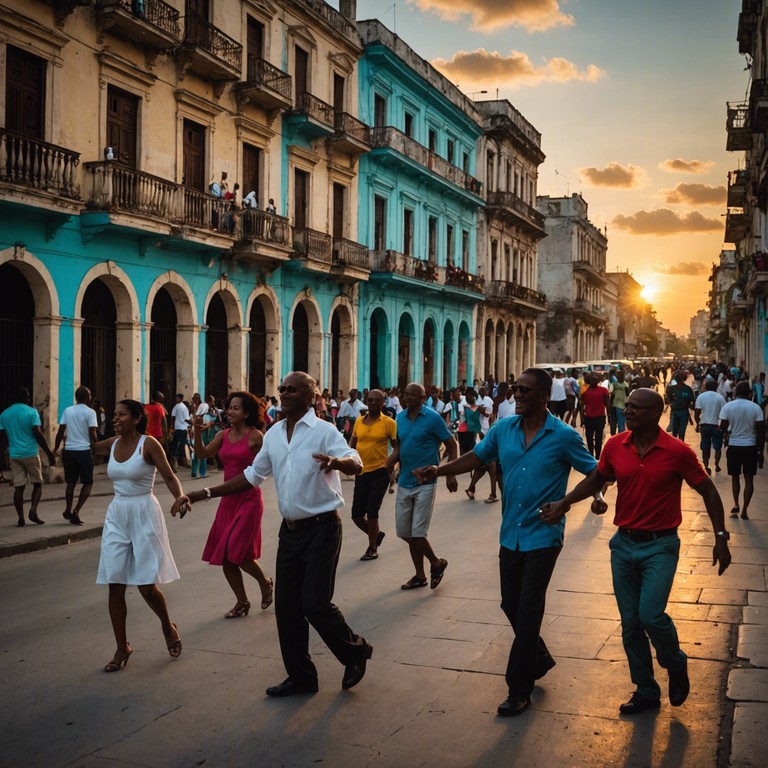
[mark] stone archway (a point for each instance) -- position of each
(406, 338)
(264, 342)
(307, 337)
(224, 347)
(379, 350)
(342, 370)
(449, 361)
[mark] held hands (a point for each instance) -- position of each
(599, 507)
(181, 506)
(553, 512)
(425, 474)
(721, 554)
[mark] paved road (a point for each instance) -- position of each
(436, 677)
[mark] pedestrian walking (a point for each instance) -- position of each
(180, 416)
(706, 411)
(304, 455)
(234, 541)
(349, 412)
(680, 399)
(536, 452)
(21, 424)
(78, 429)
(594, 404)
(649, 468)
(135, 550)
(743, 426)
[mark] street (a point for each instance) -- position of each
(434, 682)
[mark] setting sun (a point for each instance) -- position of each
(650, 292)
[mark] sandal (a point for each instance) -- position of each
(735, 511)
(414, 583)
(436, 574)
(119, 660)
(240, 609)
(370, 554)
(380, 538)
(266, 601)
(174, 648)
(491, 499)
(470, 494)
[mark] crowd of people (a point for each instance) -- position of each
(522, 432)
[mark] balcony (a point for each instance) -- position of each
(757, 278)
(264, 239)
(350, 260)
(517, 210)
(738, 129)
(506, 292)
(350, 135)
(265, 86)
(337, 21)
(589, 311)
(738, 309)
(758, 106)
(737, 225)
(737, 188)
(596, 276)
(157, 27)
(208, 52)
(37, 166)
(403, 151)
(311, 117)
(314, 249)
(394, 265)
(746, 30)
(116, 187)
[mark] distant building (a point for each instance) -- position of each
(699, 332)
(636, 332)
(572, 262)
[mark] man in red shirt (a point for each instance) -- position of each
(594, 404)
(156, 417)
(649, 467)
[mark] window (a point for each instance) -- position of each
(251, 173)
(409, 124)
(451, 147)
(489, 172)
(300, 199)
(339, 87)
(379, 111)
(339, 210)
(25, 93)
(193, 151)
(254, 48)
(465, 162)
(494, 259)
(509, 176)
(449, 244)
(379, 223)
(432, 245)
(301, 70)
(432, 140)
(465, 250)
(122, 119)
(408, 232)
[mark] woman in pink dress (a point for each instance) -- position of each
(235, 538)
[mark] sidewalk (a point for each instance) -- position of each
(722, 623)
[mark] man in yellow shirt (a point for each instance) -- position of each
(371, 437)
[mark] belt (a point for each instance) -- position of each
(309, 522)
(646, 535)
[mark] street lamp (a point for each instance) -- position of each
(473, 93)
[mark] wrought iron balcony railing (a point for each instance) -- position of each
(317, 109)
(256, 224)
(513, 202)
(156, 12)
(347, 253)
(351, 126)
(264, 74)
(337, 20)
(503, 289)
(199, 32)
(38, 165)
(312, 245)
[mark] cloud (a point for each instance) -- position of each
(695, 194)
(663, 222)
(678, 165)
(614, 175)
(491, 15)
(688, 268)
(481, 67)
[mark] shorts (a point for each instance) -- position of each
(413, 511)
(558, 407)
(570, 402)
(78, 466)
(27, 470)
(742, 460)
(370, 488)
(711, 437)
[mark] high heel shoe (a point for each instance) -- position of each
(174, 647)
(240, 609)
(266, 600)
(119, 660)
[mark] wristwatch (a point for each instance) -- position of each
(207, 492)
(723, 535)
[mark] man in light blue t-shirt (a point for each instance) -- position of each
(420, 433)
(21, 424)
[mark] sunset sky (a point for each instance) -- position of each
(630, 98)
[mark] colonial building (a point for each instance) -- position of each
(722, 278)
(508, 235)
(572, 275)
(637, 329)
(418, 208)
(699, 333)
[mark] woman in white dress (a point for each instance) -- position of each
(134, 545)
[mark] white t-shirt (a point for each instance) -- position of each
(506, 408)
(352, 410)
(180, 415)
(710, 403)
(202, 409)
(485, 421)
(558, 390)
(78, 420)
(742, 415)
(394, 402)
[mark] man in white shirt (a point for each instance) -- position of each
(557, 399)
(180, 416)
(743, 423)
(78, 430)
(487, 403)
(349, 411)
(304, 455)
(707, 412)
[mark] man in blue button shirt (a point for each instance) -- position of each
(420, 432)
(536, 452)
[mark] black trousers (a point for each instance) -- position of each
(305, 577)
(594, 426)
(524, 580)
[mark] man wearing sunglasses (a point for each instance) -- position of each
(536, 451)
(649, 467)
(304, 455)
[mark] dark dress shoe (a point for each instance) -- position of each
(75, 520)
(514, 705)
(354, 673)
(679, 686)
(35, 519)
(290, 688)
(638, 704)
